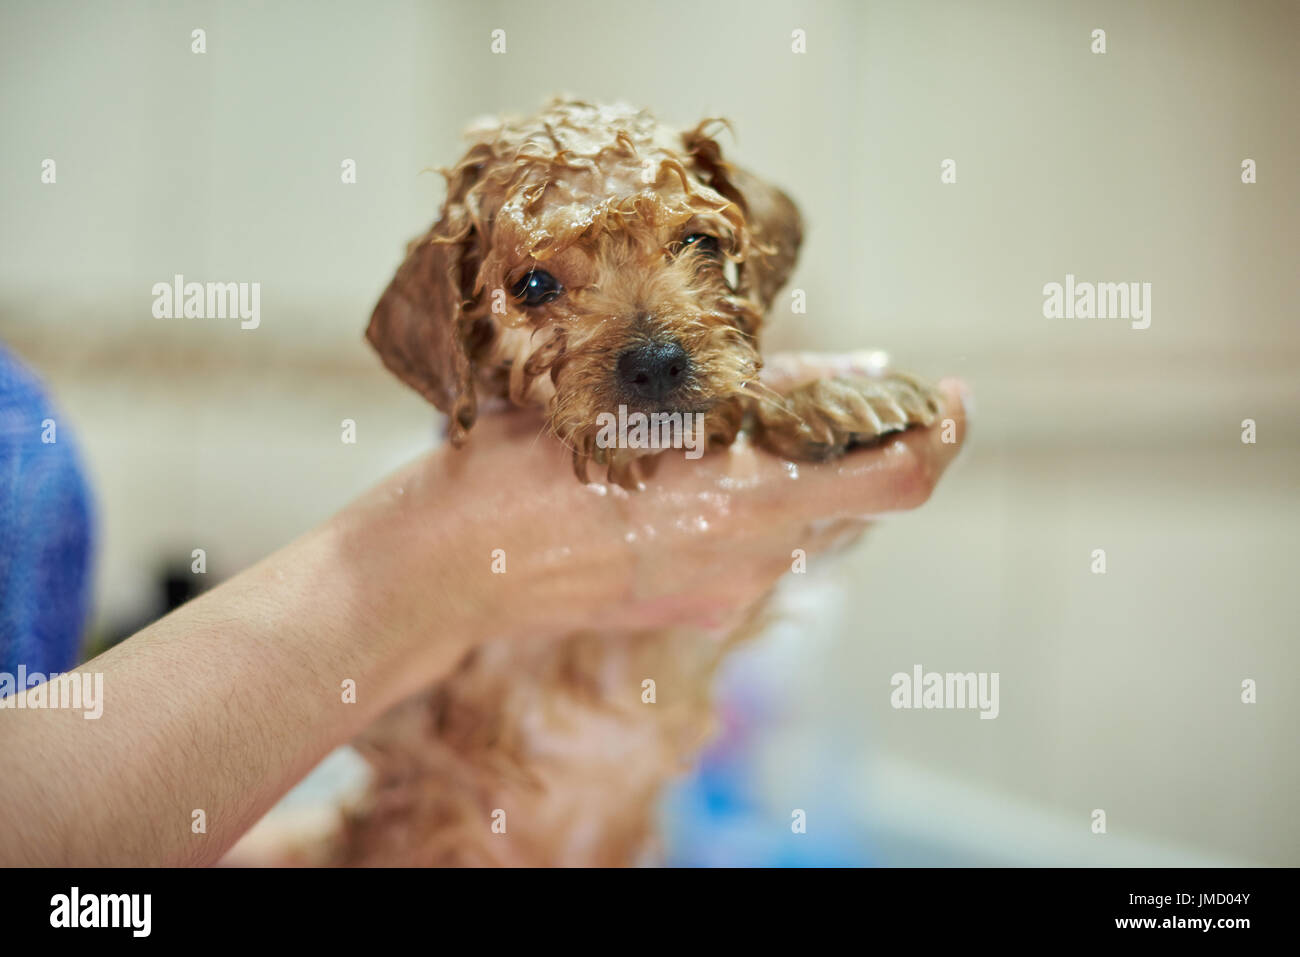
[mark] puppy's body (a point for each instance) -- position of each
(588, 258)
(554, 739)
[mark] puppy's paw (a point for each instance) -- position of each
(825, 418)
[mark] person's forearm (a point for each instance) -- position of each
(221, 706)
(218, 708)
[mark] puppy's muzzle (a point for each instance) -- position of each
(654, 371)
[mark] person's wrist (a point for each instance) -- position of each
(402, 592)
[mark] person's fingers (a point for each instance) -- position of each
(513, 447)
(899, 474)
(789, 370)
(744, 492)
(729, 520)
(741, 525)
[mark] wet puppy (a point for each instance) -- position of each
(598, 265)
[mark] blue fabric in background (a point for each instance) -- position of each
(46, 530)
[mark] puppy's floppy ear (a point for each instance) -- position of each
(772, 217)
(419, 327)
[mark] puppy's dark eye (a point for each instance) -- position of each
(536, 287)
(706, 245)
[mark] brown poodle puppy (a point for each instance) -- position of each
(598, 265)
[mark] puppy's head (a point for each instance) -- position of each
(588, 258)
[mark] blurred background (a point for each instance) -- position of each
(1119, 691)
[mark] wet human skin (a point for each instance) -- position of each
(699, 541)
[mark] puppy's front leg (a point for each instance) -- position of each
(824, 418)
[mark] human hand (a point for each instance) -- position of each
(242, 690)
(701, 542)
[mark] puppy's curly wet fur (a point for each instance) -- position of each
(588, 257)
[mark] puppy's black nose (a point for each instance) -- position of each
(652, 372)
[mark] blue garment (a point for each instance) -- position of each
(46, 529)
